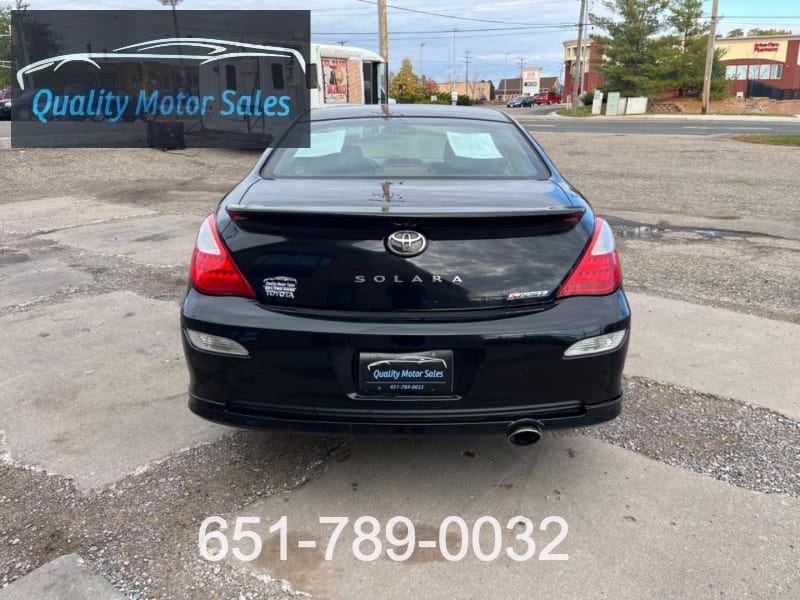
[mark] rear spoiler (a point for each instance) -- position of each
(472, 222)
(244, 211)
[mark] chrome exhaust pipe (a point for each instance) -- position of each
(524, 432)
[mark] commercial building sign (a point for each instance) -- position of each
(766, 46)
(530, 80)
(116, 79)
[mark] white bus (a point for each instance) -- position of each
(334, 75)
(345, 75)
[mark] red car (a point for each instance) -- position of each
(547, 98)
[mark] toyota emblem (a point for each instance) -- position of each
(406, 243)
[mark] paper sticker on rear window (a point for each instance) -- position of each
(323, 143)
(469, 145)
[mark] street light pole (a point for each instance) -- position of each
(505, 78)
(173, 4)
(421, 72)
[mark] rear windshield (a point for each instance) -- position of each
(409, 147)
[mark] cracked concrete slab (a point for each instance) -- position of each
(65, 577)
(717, 351)
(159, 240)
(95, 388)
(48, 214)
(23, 280)
(636, 528)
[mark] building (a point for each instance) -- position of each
(756, 66)
(508, 89)
(590, 77)
(473, 89)
(763, 66)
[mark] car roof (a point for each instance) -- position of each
(408, 110)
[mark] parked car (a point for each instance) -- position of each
(5, 109)
(416, 269)
(547, 98)
(523, 101)
(22, 106)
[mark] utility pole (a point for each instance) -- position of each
(576, 67)
(467, 58)
(520, 64)
(710, 59)
(453, 86)
(384, 41)
(421, 72)
(505, 78)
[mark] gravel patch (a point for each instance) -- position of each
(141, 533)
(747, 446)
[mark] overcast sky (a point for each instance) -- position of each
(532, 30)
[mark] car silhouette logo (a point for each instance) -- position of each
(411, 361)
(406, 243)
(200, 50)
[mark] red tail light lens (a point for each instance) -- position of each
(598, 272)
(213, 271)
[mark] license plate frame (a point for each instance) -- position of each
(424, 373)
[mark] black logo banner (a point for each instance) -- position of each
(164, 79)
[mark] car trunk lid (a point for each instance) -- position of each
(345, 251)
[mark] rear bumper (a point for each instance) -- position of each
(302, 371)
(418, 422)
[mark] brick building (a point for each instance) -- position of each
(592, 78)
(763, 66)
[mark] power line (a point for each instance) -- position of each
(433, 14)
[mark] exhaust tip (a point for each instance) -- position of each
(524, 432)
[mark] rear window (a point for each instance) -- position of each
(409, 148)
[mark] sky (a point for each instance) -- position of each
(496, 34)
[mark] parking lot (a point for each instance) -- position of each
(693, 492)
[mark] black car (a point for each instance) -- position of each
(5, 109)
(519, 101)
(416, 269)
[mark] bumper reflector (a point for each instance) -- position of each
(215, 343)
(597, 344)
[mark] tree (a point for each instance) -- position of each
(756, 32)
(735, 33)
(657, 46)
(431, 87)
(637, 60)
(688, 42)
(5, 48)
(412, 86)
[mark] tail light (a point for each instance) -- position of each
(213, 271)
(598, 272)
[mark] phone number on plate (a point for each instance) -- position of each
(484, 538)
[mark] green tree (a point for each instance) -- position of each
(736, 33)
(757, 31)
(412, 86)
(5, 48)
(637, 59)
(688, 42)
(720, 86)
